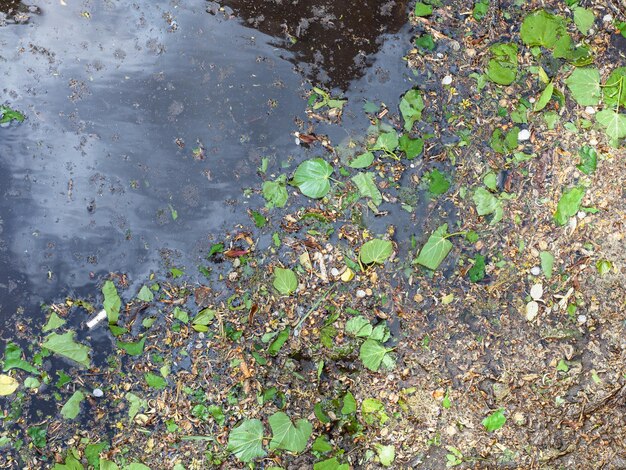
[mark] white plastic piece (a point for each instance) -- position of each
(102, 314)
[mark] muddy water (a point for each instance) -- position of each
(146, 121)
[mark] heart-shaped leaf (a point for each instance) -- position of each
(289, 436)
(367, 187)
(246, 440)
(584, 84)
(372, 354)
(375, 251)
(436, 249)
(312, 178)
(411, 107)
(285, 281)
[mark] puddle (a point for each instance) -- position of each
(146, 122)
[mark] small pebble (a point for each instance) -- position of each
(535, 270)
(590, 110)
(582, 319)
(360, 293)
(523, 135)
(536, 291)
(447, 80)
(607, 18)
(532, 310)
(97, 392)
(334, 272)
(581, 214)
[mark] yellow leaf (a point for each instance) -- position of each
(7, 385)
(447, 299)
(347, 275)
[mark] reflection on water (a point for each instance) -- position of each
(333, 41)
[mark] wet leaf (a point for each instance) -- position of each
(367, 187)
(362, 161)
(331, 464)
(7, 115)
(588, 160)
(487, 203)
(613, 122)
(584, 19)
(202, 319)
(375, 251)
(275, 192)
(8, 385)
(278, 343)
(155, 381)
(181, 315)
(542, 29)
(436, 249)
(372, 354)
(321, 445)
(72, 406)
(13, 359)
(614, 90)
(136, 404)
(411, 107)
(134, 349)
(112, 302)
(494, 421)
(359, 327)
(145, 294)
(71, 463)
(64, 345)
(422, 9)
(386, 454)
(547, 263)
(246, 440)
(437, 183)
(584, 84)
(285, 281)
(287, 435)
(569, 204)
(312, 178)
(411, 147)
(426, 42)
(53, 323)
(604, 266)
(501, 73)
(349, 404)
(387, 141)
(477, 271)
(545, 97)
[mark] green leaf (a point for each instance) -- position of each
(495, 420)
(112, 302)
(411, 107)
(92, 453)
(372, 354)
(386, 454)
(583, 19)
(285, 281)
(500, 73)
(64, 345)
(7, 115)
(584, 84)
(437, 183)
(349, 404)
(246, 440)
(477, 271)
(321, 445)
(367, 187)
(331, 464)
(542, 29)
(145, 294)
(275, 192)
(181, 315)
(375, 251)
(359, 327)
(71, 463)
(374, 411)
(487, 203)
(108, 465)
(436, 249)
(202, 319)
(312, 178)
(134, 349)
(545, 97)
(588, 160)
(614, 90)
(422, 9)
(287, 435)
(53, 323)
(136, 404)
(613, 122)
(387, 141)
(278, 343)
(155, 381)
(411, 147)
(569, 204)
(426, 42)
(547, 263)
(362, 161)
(13, 359)
(72, 406)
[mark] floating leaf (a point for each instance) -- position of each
(367, 187)
(285, 281)
(495, 420)
(287, 435)
(112, 302)
(64, 345)
(53, 323)
(372, 354)
(569, 204)
(134, 349)
(362, 161)
(8, 385)
(246, 440)
(275, 192)
(584, 84)
(411, 107)
(312, 178)
(72, 406)
(422, 9)
(13, 359)
(7, 115)
(145, 294)
(375, 251)
(436, 249)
